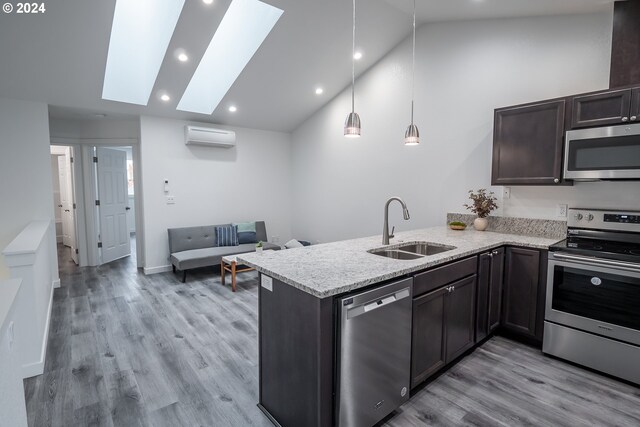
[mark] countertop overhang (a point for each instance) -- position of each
(330, 269)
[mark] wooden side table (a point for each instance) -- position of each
(229, 264)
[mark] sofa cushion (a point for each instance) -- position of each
(246, 232)
(205, 257)
(227, 236)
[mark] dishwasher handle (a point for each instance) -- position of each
(376, 303)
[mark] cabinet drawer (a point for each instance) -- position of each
(440, 276)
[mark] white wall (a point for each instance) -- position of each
(211, 185)
(464, 70)
(25, 172)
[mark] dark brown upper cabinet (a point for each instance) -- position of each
(527, 144)
(601, 109)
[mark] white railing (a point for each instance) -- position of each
(32, 257)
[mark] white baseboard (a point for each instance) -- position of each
(155, 270)
(56, 284)
(37, 368)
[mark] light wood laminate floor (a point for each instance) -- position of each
(127, 349)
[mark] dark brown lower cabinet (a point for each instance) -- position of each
(443, 327)
(524, 292)
(489, 293)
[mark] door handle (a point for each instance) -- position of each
(67, 210)
(59, 206)
(128, 208)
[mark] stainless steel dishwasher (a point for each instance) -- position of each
(374, 357)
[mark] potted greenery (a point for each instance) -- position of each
(483, 204)
(259, 246)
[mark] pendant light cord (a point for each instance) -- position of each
(353, 61)
(413, 66)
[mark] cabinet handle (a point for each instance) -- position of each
(495, 252)
(624, 119)
(633, 118)
(556, 180)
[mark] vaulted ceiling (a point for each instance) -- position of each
(59, 57)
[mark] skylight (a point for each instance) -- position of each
(244, 27)
(140, 35)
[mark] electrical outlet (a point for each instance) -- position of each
(561, 211)
(506, 192)
(171, 200)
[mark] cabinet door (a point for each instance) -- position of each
(521, 291)
(527, 144)
(482, 305)
(460, 317)
(495, 289)
(608, 108)
(428, 346)
(635, 105)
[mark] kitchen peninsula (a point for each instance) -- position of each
(303, 290)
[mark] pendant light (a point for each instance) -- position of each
(412, 136)
(352, 124)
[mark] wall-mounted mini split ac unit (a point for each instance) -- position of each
(209, 137)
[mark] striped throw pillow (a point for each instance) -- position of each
(227, 235)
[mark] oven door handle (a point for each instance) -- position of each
(598, 261)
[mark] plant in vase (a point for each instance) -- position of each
(483, 203)
(259, 246)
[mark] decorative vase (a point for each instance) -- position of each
(480, 224)
(259, 248)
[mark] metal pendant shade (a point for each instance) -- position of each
(412, 135)
(352, 124)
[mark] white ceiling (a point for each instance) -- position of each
(452, 10)
(59, 57)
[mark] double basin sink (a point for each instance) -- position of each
(411, 251)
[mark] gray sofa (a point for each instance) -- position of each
(195, 247)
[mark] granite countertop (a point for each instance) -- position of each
(330, 269)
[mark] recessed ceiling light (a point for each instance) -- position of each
(183, 57)
(319, 91)
(357, 55)
(244, 27)
(137, 48)
(207, 1)
(233, 109)
(165, 97)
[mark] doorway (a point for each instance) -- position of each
(62, 159)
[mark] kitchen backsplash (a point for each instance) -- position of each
(525, 226)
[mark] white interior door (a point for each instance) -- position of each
(63, 171)
(112, 193)
(71, 195)
(67, 200)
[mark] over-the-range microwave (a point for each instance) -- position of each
(603, 153)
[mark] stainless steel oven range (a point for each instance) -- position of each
(592, 312)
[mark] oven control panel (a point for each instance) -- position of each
(598, 219)
(622, 218)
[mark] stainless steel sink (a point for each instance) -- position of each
(412, 250)
(395, 254)
(425, 248)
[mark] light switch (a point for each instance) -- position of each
(10, 335)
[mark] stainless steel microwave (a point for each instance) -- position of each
(603, 153)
